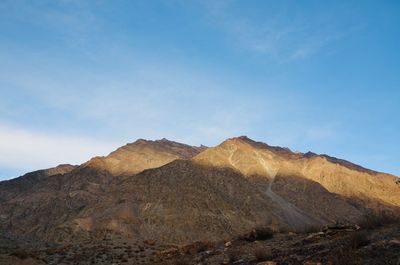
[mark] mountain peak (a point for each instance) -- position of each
(154, 142)
(142, 154)
(242, 138)
(281, 151)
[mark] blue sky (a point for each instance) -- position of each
(80, 78)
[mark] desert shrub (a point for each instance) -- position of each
(203, 246)
(260, 233)
(234, 255)
(182, 261)
(78, 257)
(21, 254)
(309, 229)
(374, 220)
(197, 247)
(345, 256)
(262, 254)
(263, 233)
(49, 251)
(177, 261)
(359, 239)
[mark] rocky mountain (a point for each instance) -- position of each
(373, 190)
(177, 194)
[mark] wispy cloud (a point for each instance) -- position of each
(30, 150)
(110, 70)
(279, 35)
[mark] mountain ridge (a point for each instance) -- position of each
(152, 189)
(336, 175)
(142, 154)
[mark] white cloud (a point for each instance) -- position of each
(31, 150)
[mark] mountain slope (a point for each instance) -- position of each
(13, 187)
(339, 176)
(181, 202)
(319, 176)
(28, 201)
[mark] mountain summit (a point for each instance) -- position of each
(143, 154)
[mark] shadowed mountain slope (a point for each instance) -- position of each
(181, 202)
(13, 187)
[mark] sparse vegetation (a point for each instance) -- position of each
(260, 233)
(21, 254)
(309, 229)
(263, 254)
(234, 255)
(345, 256)
(182, 261)
(359, 239)
(373, 220)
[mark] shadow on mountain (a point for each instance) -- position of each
(180, 202)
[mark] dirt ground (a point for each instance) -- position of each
(334, 245)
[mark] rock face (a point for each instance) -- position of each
(176, 193)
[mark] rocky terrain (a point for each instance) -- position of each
(162, 201)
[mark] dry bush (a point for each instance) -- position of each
(345, 256)
(310, 229)
(374, 220)
(182, 261)
(263, 233)
(197, 247)
(259, 233)
(177, 261)
(359, 239)
(21, 254)
(263, 254)
(234, 255)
